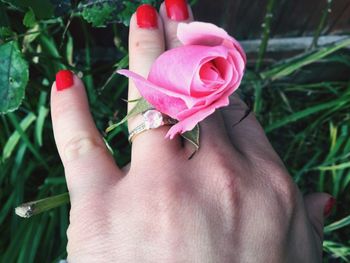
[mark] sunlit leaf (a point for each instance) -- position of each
(13, 77)
(29, 18)
(102, 12)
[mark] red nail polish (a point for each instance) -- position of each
(146, 16)
(64, 80)
(328, 207)
(177, 9)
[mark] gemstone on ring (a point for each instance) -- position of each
(153, 119)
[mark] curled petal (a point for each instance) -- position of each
(176, 68)
(190, 122)
(201, 33)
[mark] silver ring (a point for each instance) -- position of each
(152, 119)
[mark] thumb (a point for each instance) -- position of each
(318, 207)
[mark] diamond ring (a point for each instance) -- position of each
(152, 119)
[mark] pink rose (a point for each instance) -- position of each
(189, 82)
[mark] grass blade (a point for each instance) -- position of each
(338, 224)
(15, 137)
(305, 113)
(289, 67)
(29, 209)
(266, 33)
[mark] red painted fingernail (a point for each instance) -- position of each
(64, 80)
(177, 9)
(146, 16)
(328, 207)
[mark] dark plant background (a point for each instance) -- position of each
(301, 94)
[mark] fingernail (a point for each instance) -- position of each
(64, 80)
(177, 9)
(146, 16)
(328, 207)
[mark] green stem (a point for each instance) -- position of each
(266, 33)
(322, 23)
(30, 209)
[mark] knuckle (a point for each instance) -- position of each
(226, 165)
(283, 185)
(146, 45)
(229, 184)
(82, 145)
(230, 189)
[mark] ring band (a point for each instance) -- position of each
(152, 119)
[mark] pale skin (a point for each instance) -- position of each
(234, 201)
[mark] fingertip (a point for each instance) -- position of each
(176, 11)
(146, 18)
(170, 25)
(318, 206)
(329, 205)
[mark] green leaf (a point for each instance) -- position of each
(129, 9)
(337, 250)
(304, 113)
(29, 19)
(13, 140)
(193, 137)
(31, 35)
(338, 224)
(141, 106)
(36, 207)
(43, 9)
(5, 32)
(14, 76)
(102, 12)
(98, 13)
(42, 113)
(39, 127)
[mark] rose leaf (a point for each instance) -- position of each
(193, 138)
(141, 106)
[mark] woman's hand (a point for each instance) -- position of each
(233, 202)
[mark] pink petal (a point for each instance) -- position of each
(237, 61)
(189, 123)
(209, 73)
(175, 69)
(163, 100)
(231, 77)
(207, 34)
